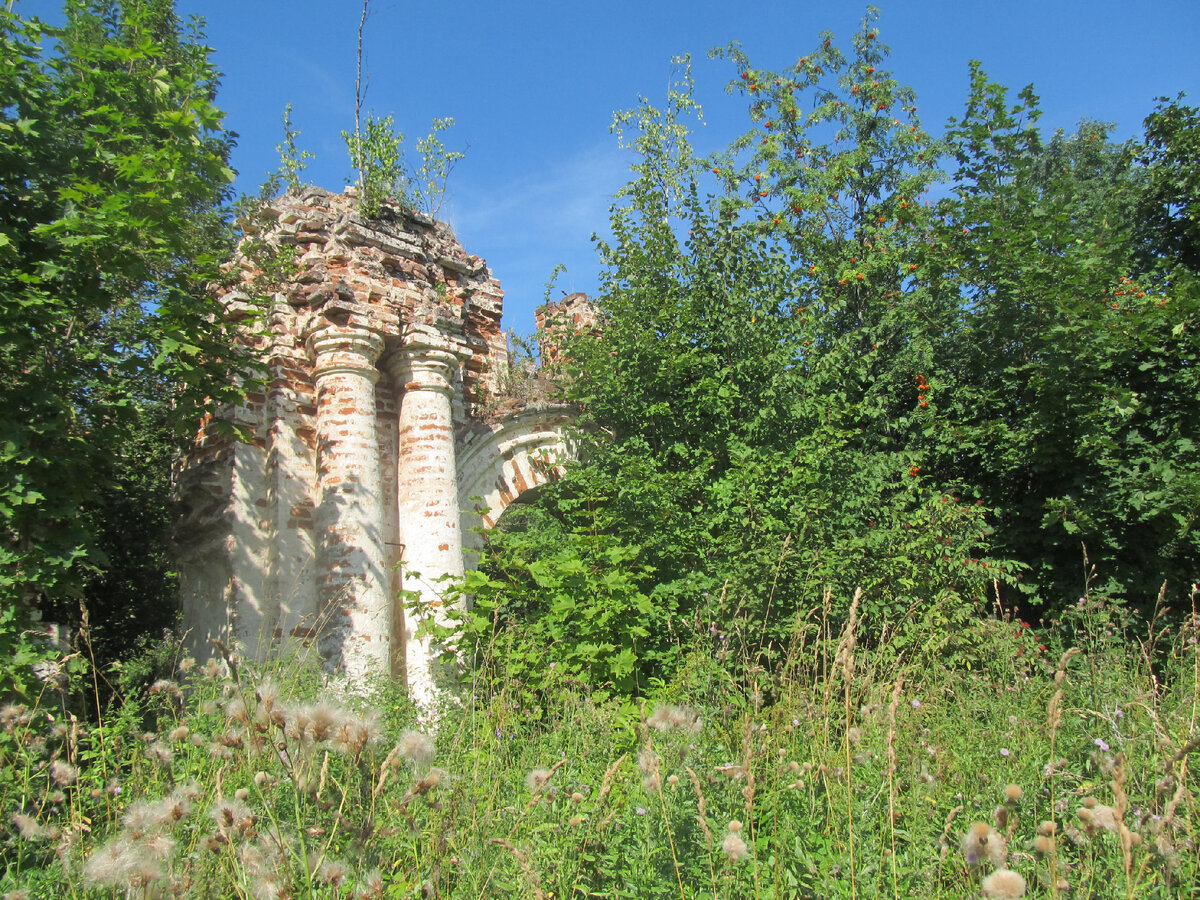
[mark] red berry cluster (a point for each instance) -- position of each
(1022, 627)
(922, 388)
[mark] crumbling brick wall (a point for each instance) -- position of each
(573, 314)
(353, 301)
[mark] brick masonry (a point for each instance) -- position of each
(371, 452)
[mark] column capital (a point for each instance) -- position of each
(426, 361)
(344, 348)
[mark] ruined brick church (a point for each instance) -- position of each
(379, 445)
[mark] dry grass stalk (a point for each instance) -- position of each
(534, 882)
(702, 821)
(700, 808)
(891, 772)
(1183, 752)
(605, 787)
(945, 841)
(384, 771)
(845, 659)
(1120, 807)
(1163, 843)
(1054, 719)
(324, 775)
(606, 782)
(748, 769)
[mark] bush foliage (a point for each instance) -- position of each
(958, 372)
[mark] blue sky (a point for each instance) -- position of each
(533, 85)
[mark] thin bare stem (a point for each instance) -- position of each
(359, 95)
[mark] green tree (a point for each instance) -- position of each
(757, 399)
(1074, 402)
(1169, 213)
(113, 176)
(812, 378)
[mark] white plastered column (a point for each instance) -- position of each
(352, 577)
(424, 367)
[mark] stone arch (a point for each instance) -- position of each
(500, 462)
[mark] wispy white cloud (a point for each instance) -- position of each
(562, 200)
(526, 225)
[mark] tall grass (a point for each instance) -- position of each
(1055, 763)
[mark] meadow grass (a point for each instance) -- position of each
(1055, 763)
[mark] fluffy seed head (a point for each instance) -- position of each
(1100, 818)
(167, 688)
(160, 753)
(323, 719)
(536, 780)
(236, 709)
(648, 761)
(63, 773)
(1012, 793)
(267, 693)
(675, 718)
(371, 884)
(982, 843)
(331, 872)
(159, 845)
(30, 828)
(351, 736)
(142, 818)
(177, 805)
(232, 816)
(123, 863)
(1004, 884)
(735, 847)
(13, 715)
(416, 747)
